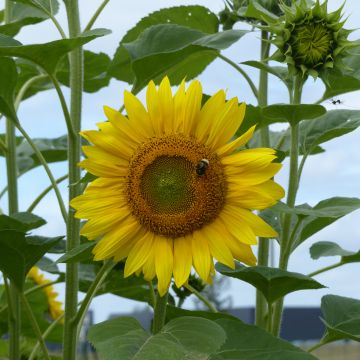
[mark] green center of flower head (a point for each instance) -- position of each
(166, 184)
(311, 44)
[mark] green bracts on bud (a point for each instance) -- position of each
(309, 39)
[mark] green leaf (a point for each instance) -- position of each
(201, 19)
(49, 54)
(8, 76)
(280, 72)
(248, 342)
(53, 150)
(328, 248)
(19, 253)
(95, 71)
(45, 7)
(48, 265)
(272, 282)
(314, 219)
(347, 78)
(255, 10)
(24, 13)
(132, 287)
(341, 316)
(162, 49)
(22, 222)
(293, 114)
(81, 253)
(181, 338)
(333, 124)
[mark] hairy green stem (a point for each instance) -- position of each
(74, 153)
(152, 294)
(326, 268)
(100, 278)
(45, 165)
(160, 312)
(202, 298)
(243, 73)
(285, 245)
(69, 124)
(27, 85)
(46, 333)
(264, 246)
(11, 168)
(44, 193)
(96, 15)
(35, 327)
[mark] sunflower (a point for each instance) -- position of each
(173, 192)
(55, 306)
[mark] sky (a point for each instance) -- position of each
(334, 173)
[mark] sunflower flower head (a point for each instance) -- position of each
(311, 40)
(173, 192)
(55, 306)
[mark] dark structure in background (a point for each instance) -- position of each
(299, 323)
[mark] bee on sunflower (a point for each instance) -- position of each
(152, 204)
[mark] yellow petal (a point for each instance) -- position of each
(98, 154)
(240, 251)
(167, 105)
(182, 259)
(99, 169)
(154, 109)
(179, 108)
(163, 262)
(223, 127)
(238, 228)
(192, 107)
(208, 113)
(201, 254)
(137, 113)
(257, 224)
(237, 143)
(139, 254)
(215, 233)
(149, 266)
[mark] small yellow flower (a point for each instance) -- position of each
(173, 190)
(55, 306)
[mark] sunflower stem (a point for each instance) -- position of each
(159, 312)
(11, 168)
(202, 298)
(100, 277)
(285, 245)
(74, 152)
(242, 72)
(35, 327)
(96, 15)
(263, 249)
(326, 268)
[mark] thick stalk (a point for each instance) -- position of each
(159, 312)
(73, 228)
(263, 249)
(11, 168)
(285, 246)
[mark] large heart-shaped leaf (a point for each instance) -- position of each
(194, 17)
(341, 316)
(19, 253)
(162, 50)
(181, 338)
(272, 282)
